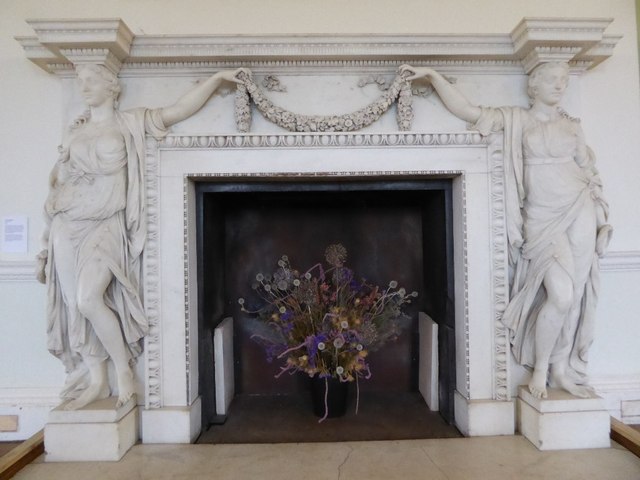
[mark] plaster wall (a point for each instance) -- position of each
(36, 107)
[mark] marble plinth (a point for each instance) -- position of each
(562, 421)
(97, 432)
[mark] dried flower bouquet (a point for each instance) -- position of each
(325, 321)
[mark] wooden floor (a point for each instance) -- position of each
(626, 435)
(6, 447)
(15, 456)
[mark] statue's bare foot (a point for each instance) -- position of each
(538, 383)
(95, 391)
(126, 388)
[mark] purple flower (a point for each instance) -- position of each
(355, 285)
(287, 328)
(342, 275)
(271, 351)
(312, 343)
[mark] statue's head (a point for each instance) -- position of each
(548, 81)
(97, 84)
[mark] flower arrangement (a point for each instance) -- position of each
(325, 321)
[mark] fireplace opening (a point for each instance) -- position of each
(393, 229)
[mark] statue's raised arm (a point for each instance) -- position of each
(195, 98)
(556, 225)
(96, 233)
(455, 101)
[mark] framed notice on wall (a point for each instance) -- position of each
(15, 234)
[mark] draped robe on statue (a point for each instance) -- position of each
(553, 202)
(96, 211)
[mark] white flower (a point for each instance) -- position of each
(344, 324)
(359, 347)
(259, 277)
(282, 309)
(307, 276)
(241, 301)
(393, 284)
(267, 288)
(321, 346)
(339, 370)
(296, 283)
(338, 342)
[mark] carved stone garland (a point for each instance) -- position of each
(399, 89)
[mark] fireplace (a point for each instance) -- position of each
(183, 170)
(393, 227)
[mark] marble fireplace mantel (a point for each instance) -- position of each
(153, 68)
(59, 44)
(483, 402)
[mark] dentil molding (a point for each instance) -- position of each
(60, 44)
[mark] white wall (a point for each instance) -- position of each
(32, 120)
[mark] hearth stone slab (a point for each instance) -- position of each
(97, 432)
(562, 421)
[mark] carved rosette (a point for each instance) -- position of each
(400, 89)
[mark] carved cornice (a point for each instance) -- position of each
(582, 42)
(538, 40)
(75, 41)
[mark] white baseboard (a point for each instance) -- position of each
(31, 406)
(621, 395)
(30, 397)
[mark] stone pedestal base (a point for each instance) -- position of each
(562, 421)
(97, 432)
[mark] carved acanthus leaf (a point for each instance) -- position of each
(272, 83)
(420, 90)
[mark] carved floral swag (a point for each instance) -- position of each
(400, 90)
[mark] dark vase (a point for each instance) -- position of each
(336, 396)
